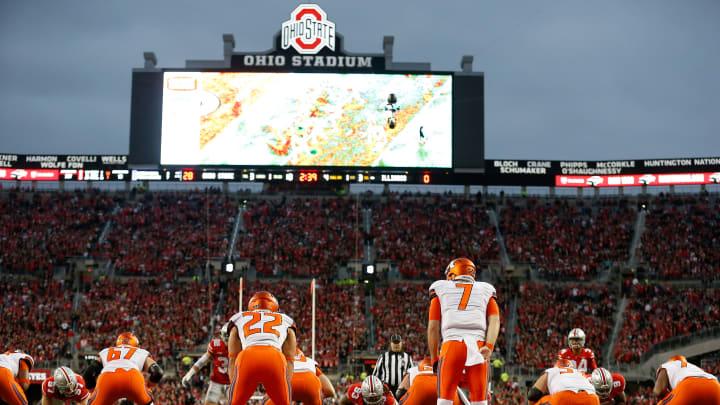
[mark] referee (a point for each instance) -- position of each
(392, 365)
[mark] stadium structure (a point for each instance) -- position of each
(363, 176)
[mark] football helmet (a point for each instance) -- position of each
(127, 338)
(372, 390)
(576, 339)
(460, 267)
(65, 380)
(602, 380)
(564, 363)
(263, 300)
(679, 358)
(225, 332)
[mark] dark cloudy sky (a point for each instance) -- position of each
(565, 79)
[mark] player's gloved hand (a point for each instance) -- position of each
(435, 366)
(188, 376)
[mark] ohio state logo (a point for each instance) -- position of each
(308, 30)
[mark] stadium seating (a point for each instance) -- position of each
(658, 312)
(301, 237)
(547, 312)
(681, 238)
(422, 234)
(567, 240)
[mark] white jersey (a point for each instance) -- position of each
(567, 379)
(124, 356)
(262, 328)
(303, 363)
(11, 361)
(419, 370)
(463, 305)
(679, 370)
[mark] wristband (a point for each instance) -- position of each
(232, 355)
(290, 357)
(23, 381)
(434, 360)
(490, 346)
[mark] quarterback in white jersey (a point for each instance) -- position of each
(465, 313)
(679, 383)
(15, 368)
(262, 341)
(563, 385)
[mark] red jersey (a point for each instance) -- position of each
(585, 361)
(354, 394)
(219, 353)
(79, 395)
(618, 388)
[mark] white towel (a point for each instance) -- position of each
(473, 352)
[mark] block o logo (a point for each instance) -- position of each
(308, 30)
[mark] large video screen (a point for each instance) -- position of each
(307, 119)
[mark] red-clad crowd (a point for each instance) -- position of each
(38, 231)
(339, 315)
(170, 233)
(402, 308)
(656, 312)
(301, 237)
(36, 317)
(566, 239)
(168, 318)
(547, 313)
(681, 238)
(422, 234)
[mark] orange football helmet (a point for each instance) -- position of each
(263, 300)
(127, 338)
(564, 363)
(460, 267)
(680, 358)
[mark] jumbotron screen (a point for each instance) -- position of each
(307, 119)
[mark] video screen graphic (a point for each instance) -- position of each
(307, 119)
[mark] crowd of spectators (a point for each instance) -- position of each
(422, 234)
(170, 234)
(301, 237)
(681, 238)
(567, 240)
(167, 317)
(656, 312)
(339, 315)
(39, 230)
(547, 313)
(36, 317)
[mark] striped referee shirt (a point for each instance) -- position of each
(391, 367)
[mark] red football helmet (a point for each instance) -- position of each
(460, 267)
(263, 300)
(564, 363)
(127, 338)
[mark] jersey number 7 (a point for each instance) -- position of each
(467, 289)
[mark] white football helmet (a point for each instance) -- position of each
(576, 339)
(372, 390)
(65, 380)
(225, 332)
(602, 380)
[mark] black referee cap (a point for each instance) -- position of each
(395, 338)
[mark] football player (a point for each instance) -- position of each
(563, 385)
(681, 383)
(466, 313)
(219, 379)
(64, 386)
(309, 384)
(15, 368)
(118, 374)
(419, 386)
(610, 387)
(371, 391)
(263, 341)
(581, 357)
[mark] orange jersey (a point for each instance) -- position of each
(219, 352)
(354, 394)
(585, 361)
(80, 394)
